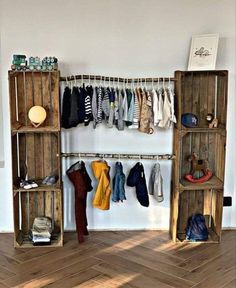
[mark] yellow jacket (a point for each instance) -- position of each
(102, 195)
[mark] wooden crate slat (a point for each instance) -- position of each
(38, 93)
(22, 112)
(54, 94)
(45, 78)
(57, 211)
(12, 99)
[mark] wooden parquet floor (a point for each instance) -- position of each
(120, 259)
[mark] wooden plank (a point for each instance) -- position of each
(16, 214)
(203, 99)
(231, 284)
(23, 166)
(163, 278)
(21, 99)
(58, 211)
(207, 208)
(196, 95)
(211, 93)
(183, 212)
(12, 99)
(46, 103)
(63, 274)
(14, 160)
(184, 164)
(179, 84)
(51, 262)
(218, 210)
(54, 94)
(218, 279)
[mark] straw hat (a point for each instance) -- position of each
(37, 115)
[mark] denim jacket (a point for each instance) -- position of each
(118, 193)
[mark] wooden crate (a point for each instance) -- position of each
(202, 92)
(207, 202)
(37, 152)
(27, 89)
(196, 93)
(31, 204)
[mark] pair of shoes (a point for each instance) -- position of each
(28, 184)
(50, 180)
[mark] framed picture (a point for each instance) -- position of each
(203, 52)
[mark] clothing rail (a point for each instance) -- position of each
(120, 156)
(116, 79)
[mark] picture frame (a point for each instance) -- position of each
(203, 52)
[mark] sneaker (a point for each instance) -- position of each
(28, 184)
(50, 180)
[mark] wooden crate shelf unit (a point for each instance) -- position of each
(35, 153)
(199, 93)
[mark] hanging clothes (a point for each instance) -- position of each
(66, 106)
(130, 107)
(105, 104)
(172, 109)
(88, 105)
(112, 108)
(146, 112)
(79, 177)
(157, 107)
(156, 183)
(99, 104)
(81, 104)
(74, 113)
(137, 179)
(165, 122)
(120, 116)
(118, 193)
(136, 111)
(102, 195)
(95, 107)
(141, 108)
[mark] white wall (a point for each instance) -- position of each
(131, 38)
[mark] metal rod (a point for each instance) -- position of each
(116, 79)
(120, 156)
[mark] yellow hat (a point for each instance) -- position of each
(37, 115)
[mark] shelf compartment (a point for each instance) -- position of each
(206, 202)
(212, 238)
(210, 146)
(33, 204)
(23, 241)
(28, 89)
(213, 183)
(202, 92)
(36, 153)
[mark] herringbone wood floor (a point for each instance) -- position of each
(120, 259)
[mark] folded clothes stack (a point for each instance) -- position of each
(41, 231)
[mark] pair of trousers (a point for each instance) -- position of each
(82, 184)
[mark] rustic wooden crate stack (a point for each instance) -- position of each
(38, 148)
(196, 93)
